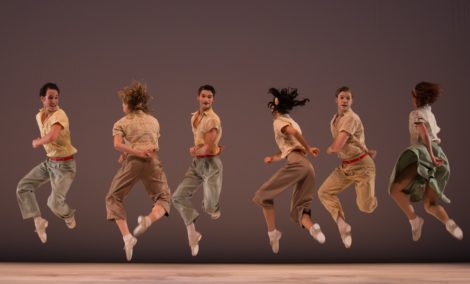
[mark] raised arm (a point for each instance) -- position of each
(49, 137)
(426, 140)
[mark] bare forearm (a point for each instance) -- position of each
(339, 143)
(302, 140)
(273, 158)
(425, 139)
(124, 148)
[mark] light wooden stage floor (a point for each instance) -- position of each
(15, 273)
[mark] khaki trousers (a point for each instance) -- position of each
(298, 172)
(362, 174)
(133, 169)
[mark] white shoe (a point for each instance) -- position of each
(129, 247)
(416, 232)
(194, 243)
(144, 224)
(317, 234)
(70, 222)
(454, 230)
(274, 237)
(41, 226)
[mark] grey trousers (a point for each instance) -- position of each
(60, 174)
(208, 172)
(297, 172)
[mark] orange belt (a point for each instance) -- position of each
(60, 159)
(355, 159)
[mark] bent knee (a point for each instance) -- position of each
(369, 206)
(428, 206)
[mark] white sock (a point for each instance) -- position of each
(315, 226)
(191, 230)
(272, 233)
(342, 225)
(414, 222)
(450, 222)
(127, 237)
(37, 220)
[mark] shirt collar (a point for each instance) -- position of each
(349, 111)
(204, 113)
(42, 109)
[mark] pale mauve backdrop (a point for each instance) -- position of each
(91, 49)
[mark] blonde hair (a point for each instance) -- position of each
(135, 96)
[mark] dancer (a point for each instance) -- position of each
(297, 172)
(357, 165)
(59, 167)
(422, 170)
(136, 136)
(205, 169)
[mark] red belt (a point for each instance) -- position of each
(60, 159)
(206, 156)
(355, 159)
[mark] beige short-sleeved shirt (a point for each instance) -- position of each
(286, 143)
(209, 121)
(423, 115)
(62, 147)
(350, 123)
(139, 129)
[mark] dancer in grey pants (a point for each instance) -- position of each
(205, 169)
(59, 168)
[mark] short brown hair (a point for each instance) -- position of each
(426, 93)
(343, 89)
(135, 96)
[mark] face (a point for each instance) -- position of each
(344, 101)
(50, 101)
(205, 99)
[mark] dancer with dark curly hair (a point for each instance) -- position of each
(297, 172)
(422, 170)
(357, 165)
(136, 137)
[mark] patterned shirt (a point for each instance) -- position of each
(203, 123)
(350, 123)
(423, 115)
(285, 142)
(62, 147)
(139, 129)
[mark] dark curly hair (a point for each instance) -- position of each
(426, 93)
(284, 100)
(135, 96)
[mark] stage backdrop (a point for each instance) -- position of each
(91, 49)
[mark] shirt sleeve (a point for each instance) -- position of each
(61, 118)
(348, 124)
(418, 117)
(279, 124)
(210, 124)
(118, 129)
